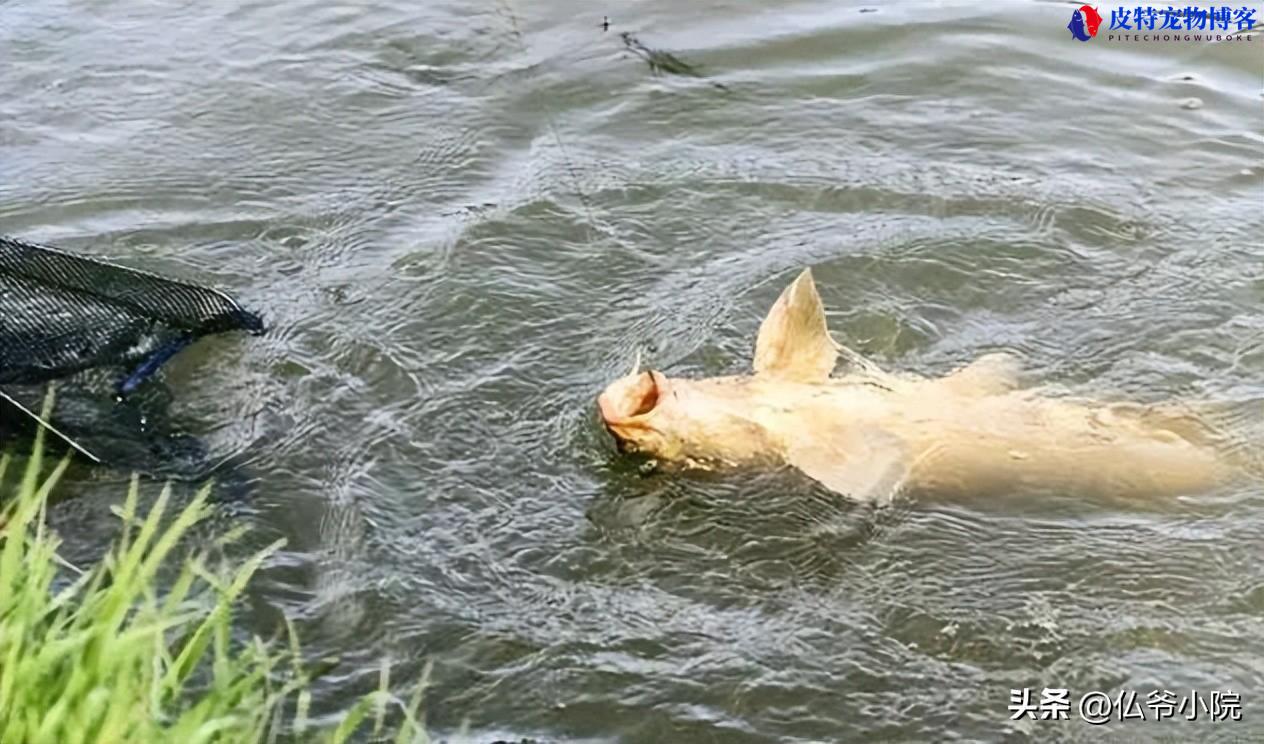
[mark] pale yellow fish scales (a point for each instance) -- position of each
(870, 434)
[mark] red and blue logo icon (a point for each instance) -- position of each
(1084, 22)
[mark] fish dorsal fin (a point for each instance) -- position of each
(990, 374)
(794, 342)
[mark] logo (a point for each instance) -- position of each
(1147, 23)
(1084, 22)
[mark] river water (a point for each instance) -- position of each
(461, 220)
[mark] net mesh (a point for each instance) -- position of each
(62, 313)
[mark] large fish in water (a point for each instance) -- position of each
(870, 434)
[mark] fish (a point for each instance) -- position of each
(1076, 26)
(1092, 19)
(871, 434)
(1085, 21)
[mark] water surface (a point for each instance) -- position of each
(462, 220)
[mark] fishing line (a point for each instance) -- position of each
(48, 425)
(571, 171)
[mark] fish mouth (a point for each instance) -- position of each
(629, 400)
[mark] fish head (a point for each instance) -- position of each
(712, 422)
(700, 424)
(639, 412)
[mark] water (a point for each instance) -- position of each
(462, 220)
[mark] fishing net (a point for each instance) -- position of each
(62, 313)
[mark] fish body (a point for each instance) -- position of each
(870, 434)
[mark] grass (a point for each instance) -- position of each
(103, 655)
